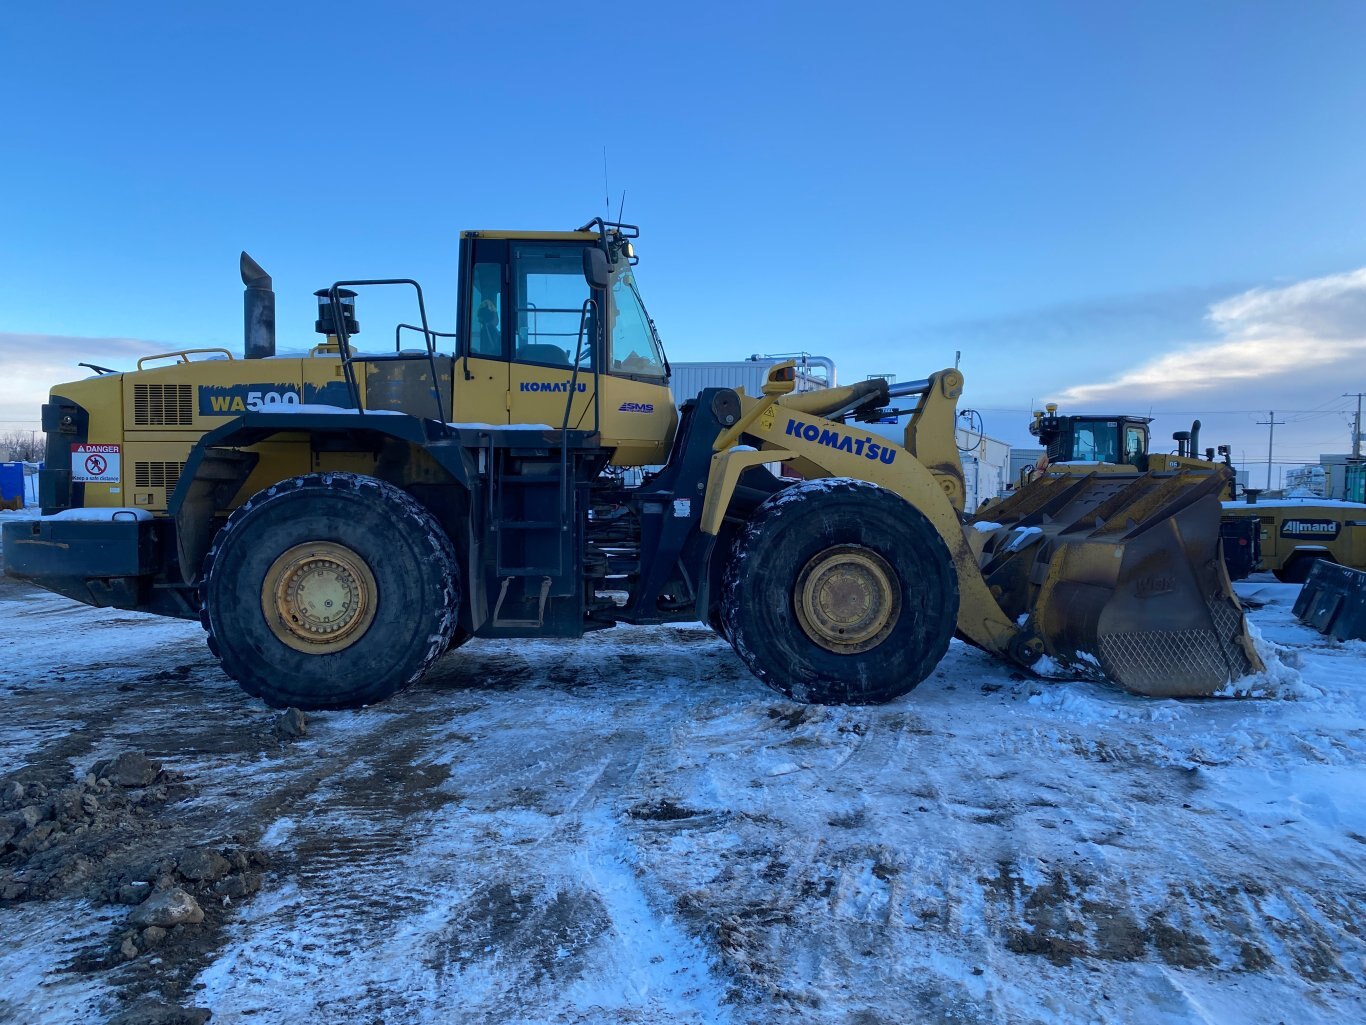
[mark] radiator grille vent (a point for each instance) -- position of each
(156, 474)
(163, 404)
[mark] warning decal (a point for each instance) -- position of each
(95, 464)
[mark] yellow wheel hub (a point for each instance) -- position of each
(319, 597)
(847, 599)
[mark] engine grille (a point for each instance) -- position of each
(156, 474)
(161, 405)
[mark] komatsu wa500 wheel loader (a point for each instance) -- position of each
(339, 520)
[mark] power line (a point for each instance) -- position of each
(1320, 409)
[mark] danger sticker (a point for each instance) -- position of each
(95, 464)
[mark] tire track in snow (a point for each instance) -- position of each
(537, 864)
(637, 959)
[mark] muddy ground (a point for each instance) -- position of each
(631, 828)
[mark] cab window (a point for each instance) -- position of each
(1095, 442)
(634, 348)
(548, 294)
(1135, 445)
(486, 311)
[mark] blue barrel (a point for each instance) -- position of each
(12, 483)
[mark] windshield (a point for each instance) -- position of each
(1095, 441)
(635, 346)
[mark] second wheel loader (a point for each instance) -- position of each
(338, 521)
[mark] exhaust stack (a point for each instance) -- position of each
(258, 311)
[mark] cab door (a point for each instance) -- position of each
(480, 392)
(553, 335)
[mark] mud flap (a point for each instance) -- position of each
(1121, 576)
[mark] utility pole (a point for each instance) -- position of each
(1271, 422)
(1356, 427)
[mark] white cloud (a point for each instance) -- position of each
(30, 364)
(1268, 335)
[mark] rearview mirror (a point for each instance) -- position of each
(596, 270)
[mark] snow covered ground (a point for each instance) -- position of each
(632, 829)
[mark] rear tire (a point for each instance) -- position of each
(839, 591)
(331, 590)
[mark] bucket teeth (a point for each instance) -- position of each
(1122, 574)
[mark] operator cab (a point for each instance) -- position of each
(552, 330)
(1091, 438)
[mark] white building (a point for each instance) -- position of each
(986, 467)
(1335, 468)
(1308, 481)
(688, 379)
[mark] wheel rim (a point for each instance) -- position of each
(319, 597)
(848, 599)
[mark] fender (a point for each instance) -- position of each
(818, 447)
(217, 466)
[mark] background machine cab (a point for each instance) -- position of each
(1120, 440)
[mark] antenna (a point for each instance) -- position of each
(606, 193)
(621, 209)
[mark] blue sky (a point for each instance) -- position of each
(1065, 192)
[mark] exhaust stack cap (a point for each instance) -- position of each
(253, 276)
(258, 311)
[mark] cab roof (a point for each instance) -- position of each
(537, 236)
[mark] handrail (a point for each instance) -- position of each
(601, 226)
(344, 339)
(398, 329)
(183, 355)
(589, 305)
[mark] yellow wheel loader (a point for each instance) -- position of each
(338, 520)
(1110, 444)
(1143, 531)
(1284, 536)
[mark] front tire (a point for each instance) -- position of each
(840, 592)
(331, 590)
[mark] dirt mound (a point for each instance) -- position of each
(111, 839)
(63, 842)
